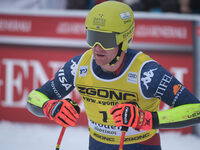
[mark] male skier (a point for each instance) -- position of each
(120, 87)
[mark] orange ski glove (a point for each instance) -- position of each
(130, 115)
(64, 112)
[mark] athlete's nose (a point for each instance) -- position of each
(98, 48)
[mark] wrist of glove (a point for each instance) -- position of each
(130, 115)
(64, 112)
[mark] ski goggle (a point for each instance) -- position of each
(107, 40)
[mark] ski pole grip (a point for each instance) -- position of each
(124, 129)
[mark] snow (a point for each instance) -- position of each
(27, 136)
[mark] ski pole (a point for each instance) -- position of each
(124, 130)
(60, 138)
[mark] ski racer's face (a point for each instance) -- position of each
(104, 57)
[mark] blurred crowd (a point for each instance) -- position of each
(177, 6)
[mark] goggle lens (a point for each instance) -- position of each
(106, 40)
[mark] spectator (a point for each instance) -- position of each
(169, 6)
(184, 6)
(136, 5)
(195, 6)
(150, 5)
(77, 4)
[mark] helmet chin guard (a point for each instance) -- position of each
(117, 56)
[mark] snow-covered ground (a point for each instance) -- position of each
(20, 136)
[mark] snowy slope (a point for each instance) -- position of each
(18, 136)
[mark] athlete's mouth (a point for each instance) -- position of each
(100, 55)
